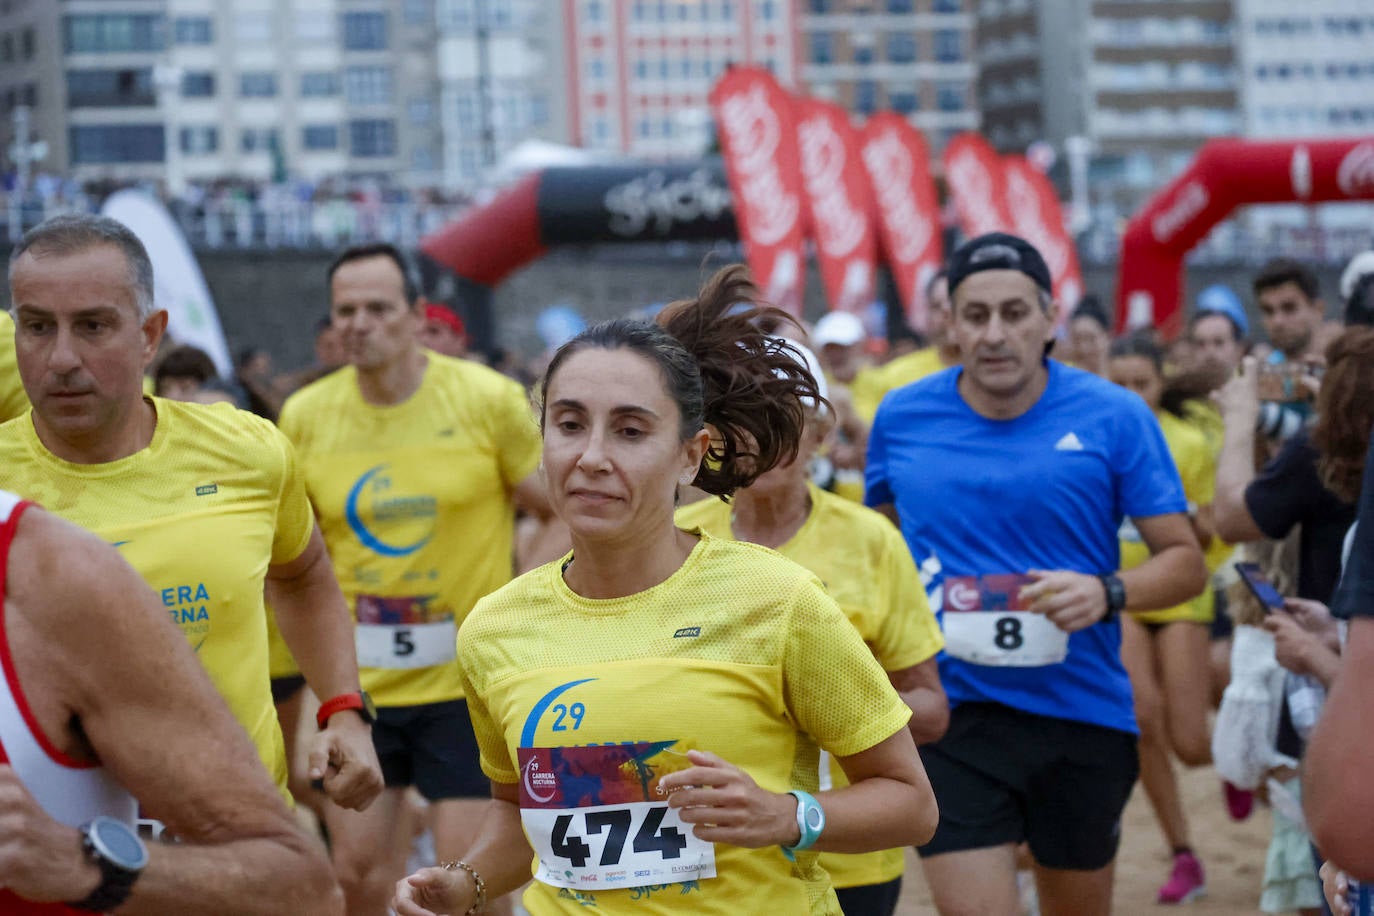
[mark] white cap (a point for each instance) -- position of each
(1361, 264)
(843, 328)
(812, 364)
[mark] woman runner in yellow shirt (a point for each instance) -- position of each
(867, 568)
(651, 709)
(1166, 652)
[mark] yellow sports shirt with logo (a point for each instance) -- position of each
(1198, 468)
(201, 513)
(585, 702)
(894, 374)
(414, 501)
(13, 400)
(867, 568)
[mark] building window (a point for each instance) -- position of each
(110, 88)
(103, 33)
(596, 69)
(367, 85)
(903, 102)
(260, 85)
(863, 54)
(318, 137)
(30, 95)
(901, 47)
(946, 6)
(420, 111)
(822, 47)
(319, 83)
(372, 138)
(107, 144)
(193, 30)
(312, 28)
(252, 29)
(364, 31)
(949, 97)
(768, 11)
(258, 139)
(822, 6)
(199, 140)
(865, 97)
(949, 46)
(416, 12)
(26, 44)
(901, 6)
(6, 48)
(595, 11)
(422, 159)
(197, 85)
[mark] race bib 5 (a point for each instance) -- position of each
(404, 632)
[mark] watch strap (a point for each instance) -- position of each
(343, 701)
(116, 882)
(810, 822)
(1116, 594)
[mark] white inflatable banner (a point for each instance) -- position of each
(179, 286)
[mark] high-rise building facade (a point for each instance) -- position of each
(183, 90)
(639, 71)
(502, 78)
(915, 57)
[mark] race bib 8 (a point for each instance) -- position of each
(597, 818)
(404, 632)
(986, 623)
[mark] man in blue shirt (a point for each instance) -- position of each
(1015, 464)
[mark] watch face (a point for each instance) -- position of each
(118, 843)
(815, 818)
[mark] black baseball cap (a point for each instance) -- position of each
(998, 251)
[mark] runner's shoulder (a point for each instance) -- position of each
(222, 427)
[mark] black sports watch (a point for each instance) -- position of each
(115, 847)
(1116, 594)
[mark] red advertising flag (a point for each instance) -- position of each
(1038, 219)
(759, 142)
(840, 203)
(976, 185)
(897, 160)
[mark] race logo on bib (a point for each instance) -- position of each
(598, 818)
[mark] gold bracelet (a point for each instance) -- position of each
(480, 900)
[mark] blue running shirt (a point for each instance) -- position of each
(1045, 490)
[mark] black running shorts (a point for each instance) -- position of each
(431, 747)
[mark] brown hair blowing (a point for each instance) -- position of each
(724, 373)
(1345, 412)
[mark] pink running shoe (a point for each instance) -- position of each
(1186, 882)
(1239, 802)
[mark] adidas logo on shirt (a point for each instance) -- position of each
(1069, 443)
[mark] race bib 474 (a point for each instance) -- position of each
(598, 820)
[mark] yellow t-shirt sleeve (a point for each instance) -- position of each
(494, 755)
(295, 519)
(909, 633)
(834, 688)
(515, 432)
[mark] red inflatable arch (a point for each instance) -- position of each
(1225, 175)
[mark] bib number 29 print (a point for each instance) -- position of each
(597, 820)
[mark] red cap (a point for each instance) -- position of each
(441, 315)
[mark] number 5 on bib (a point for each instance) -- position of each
(405, 632)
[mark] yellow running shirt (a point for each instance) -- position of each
(13, 400)
(1205, 417)
(867, 568)
(1198, 467)
(739, 652)
(414, 500)
(897, 373)
(201, 513)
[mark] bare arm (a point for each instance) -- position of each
(921, 690)
(1238, 401)
(315, 623)
(151, 716)
(501, 855)
(1338, 795)
(1176, 570)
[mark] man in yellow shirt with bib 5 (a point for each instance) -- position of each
(415, 463)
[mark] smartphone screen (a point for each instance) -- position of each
(1260, 587)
